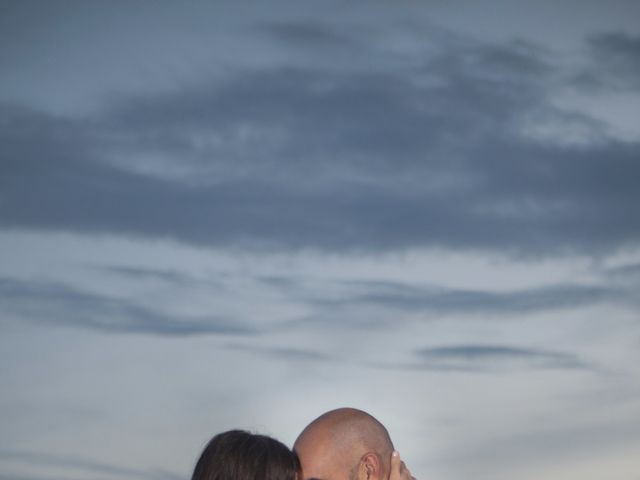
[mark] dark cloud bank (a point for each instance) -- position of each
(430, 155)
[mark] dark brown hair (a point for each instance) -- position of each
(240, 455)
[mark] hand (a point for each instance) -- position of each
(399, 470)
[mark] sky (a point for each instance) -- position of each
(220, 215)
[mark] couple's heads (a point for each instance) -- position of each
(343, 444)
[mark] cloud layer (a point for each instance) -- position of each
(458, 149)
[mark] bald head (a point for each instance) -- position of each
(344, 444)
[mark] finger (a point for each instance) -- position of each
(396, 462)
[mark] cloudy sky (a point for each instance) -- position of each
(242, 214)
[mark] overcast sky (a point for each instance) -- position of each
(222, 215)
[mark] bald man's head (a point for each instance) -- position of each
(344, 444)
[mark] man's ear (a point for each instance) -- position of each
(370, 467)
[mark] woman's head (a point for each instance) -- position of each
(240, 455)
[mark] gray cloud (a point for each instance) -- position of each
(406, 297)
(330, 300)
(309, 33)
(288, 354)
(137, 273)
(60, 304)
(483, 352)
(426, 156)
(628, 272)
(616, 57)
(171, 276)
(490, 358)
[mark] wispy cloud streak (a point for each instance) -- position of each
(79, 465)
(62, 305)
(485, 358)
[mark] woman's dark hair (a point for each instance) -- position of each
(240, 455)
